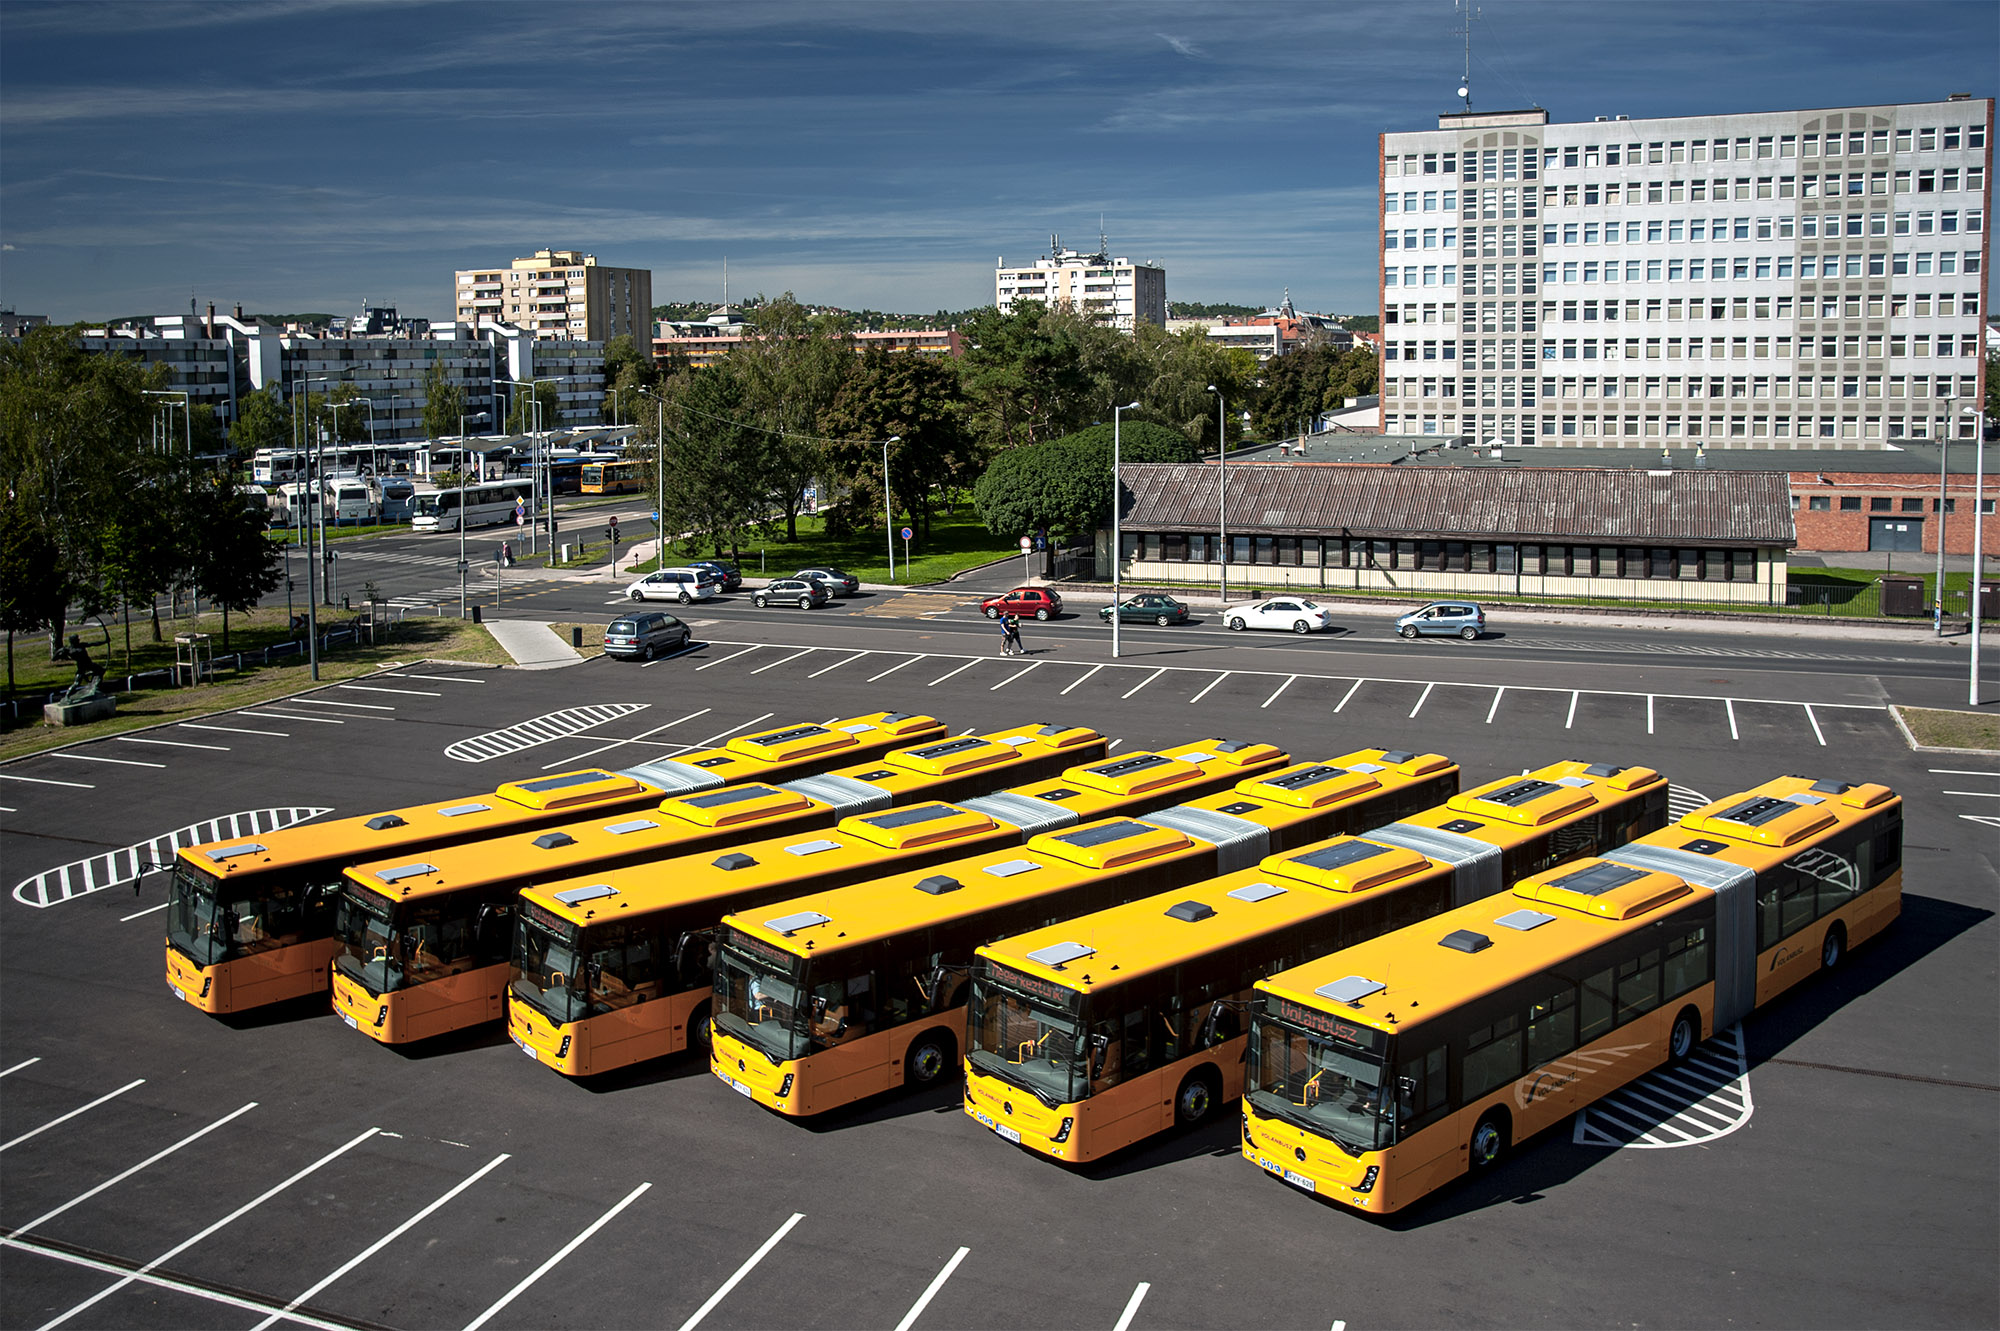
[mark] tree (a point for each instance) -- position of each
(444, 402)
(31, 590)
(1352, 375)
(626, 370)
(263, 420)
(1065, 485)
(790, 370)
(1039, 373)
(231, 561)
(1178, 369)
(907, 395)
(712, 491)
(521, 417)
(1992, 390)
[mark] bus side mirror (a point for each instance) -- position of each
(1210, 1024)
(1100, 1048)
(818, 1007)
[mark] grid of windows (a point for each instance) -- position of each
(1442, 556)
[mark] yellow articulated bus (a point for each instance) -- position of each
(441, 946)
(251, 923)
(1387, 1071)
(824, 999)
(611, 972)
(1099, 1032)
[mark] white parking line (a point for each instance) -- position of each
(724, 660)
(1729, 705)
(1032, 665)
(784, 659)
(949, 673)
(46, 781)
(1280, 689)
(1352, 690)
(1977, 794)
(1649, 714)
(837, 665)
(376, 688)
(64, 1118)
(741, 1271)
(1132, 1306)
(96, 758)
(335, 702)
(150, 1160)
(301, 716)
(722, 735)
(894, 668)
(1144, 682)
(183, 1246)
(559, 1254)
(163, 1282)
(24, 1063)
(127, 919)
(1570, 721)
(1080, 678)
(386, 1239)
(1211, 684)
(172, 743)
(640, 738)
(916, 1309)
(446, 679)
(1423, 697)
(1957, 771)
(237, 730)
(1815, 724)
(1497, 695)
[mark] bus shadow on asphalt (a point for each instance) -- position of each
(681, 1067)
(303, 1008)
(889, 1105)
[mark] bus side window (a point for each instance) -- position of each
(1106, 1066)
(1596, 1008)
(1551, 1027)
(1767, 908)
(1421, 1088)
(1639, 986)
(1137, 1041)
(1492, 1057)
(1888, 840)
(1795, 900)
(1687, 962)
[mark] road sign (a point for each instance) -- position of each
(1027, 544)
(907, 533)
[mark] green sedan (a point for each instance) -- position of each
(1147, 608)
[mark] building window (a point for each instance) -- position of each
(1878, 505)
(1819, 503)
(1913, 506)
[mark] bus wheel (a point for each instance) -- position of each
(928, 1058)
(701, 1037)
(1684, 1036)
(1833, 948)
(1489, 1143)
(1195, 1100)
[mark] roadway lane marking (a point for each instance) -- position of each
(1280, 689)
(1211, 684)
(741, 1271)
(47, 781)
(386, 1239)
(1132, 1306)
(949, 673)
(150, 910)
(1497, 694)
(640, 738)
(837, 665)
(183, 1246)
(300, 716)
(1144, 682)
(1729, 705)
(61, 1119)
(783, 659)
(724, 660)
(556, 1257)
(376, 688)
(238, 730)
(163, 1282)
(1032, 665)
(1085, 675)
(1649, 714)
(1422, 698)
(24, 1063)
(1815, 724)
(116, 1179)
(894, 668)
(1356, 688)
(118, 867)
(94, 758)
(539, 730)
(173, 743)
(937, 1283)
(1570, 721)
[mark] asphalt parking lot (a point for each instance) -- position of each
(1830, 1164)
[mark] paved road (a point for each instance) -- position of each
(223, 1172)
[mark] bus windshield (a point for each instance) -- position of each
(548, 965)
(373, 953)
(426, 503)
(759, 997)
(197, 923)
(213, 922)
(1321, 1083)
(1034, 1042)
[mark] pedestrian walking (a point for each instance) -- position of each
(1010, 635)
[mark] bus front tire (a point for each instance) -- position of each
(1194, 1102)
(1833, 948)
(700, 1035)
(1684, 1036)
(930, 1054)
(1489, 1143)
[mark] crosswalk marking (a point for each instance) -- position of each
(119, 867)
(538, 730)
(1688, 1104)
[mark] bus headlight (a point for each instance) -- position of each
(1248, 1139)
(206, 981)
(1062, 1133)
(381, 1015)
(1367, 1183)
(562, 1051)
(785, 1086)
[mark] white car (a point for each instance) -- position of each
(1281, 612)
(675, 584)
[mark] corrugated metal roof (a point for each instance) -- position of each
(1580, 504)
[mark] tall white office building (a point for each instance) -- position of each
(1770, 280)
(1118, 291)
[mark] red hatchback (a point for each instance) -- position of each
(1037, 602)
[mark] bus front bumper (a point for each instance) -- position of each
(1312, 1164)
(755, 1077)
(1016, 1116)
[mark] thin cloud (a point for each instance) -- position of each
(1181, 44)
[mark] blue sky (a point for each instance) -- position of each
(319, 153)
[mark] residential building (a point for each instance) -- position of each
(13, 325)
(565, 295)
(1118, 291)
(1275, 332)
(1757, 280)
(706, 343)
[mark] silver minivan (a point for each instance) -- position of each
(675, 584)
(1461, 619)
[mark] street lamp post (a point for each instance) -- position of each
(659, 473)
(1117, 530)
(187, 411)
(612, 393)
(1978, 535)
(537, 471)
(302, 422)
(888, 526)
(333, 419)
(1937, 601)
(1221, 493)
(463, 454)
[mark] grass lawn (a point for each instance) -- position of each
(1952, 730)
(957, 542)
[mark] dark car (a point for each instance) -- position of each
(1036, 601)
(802, 592)
(836, 581)
(730, 575)
(1147, 608)
(645, 634)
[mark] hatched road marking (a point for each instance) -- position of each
(539, 730)
(116, 868)
(1696, 1102)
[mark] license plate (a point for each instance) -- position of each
(525, 1047)
(739, 1087)
(177, 991)
(1011, 1134)
(352, 1024)
(1292, 1177)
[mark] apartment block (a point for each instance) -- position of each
(1118, 291)
(561, 294)
(1766, 280)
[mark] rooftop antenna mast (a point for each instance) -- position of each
(1103, 240)
(1466, 13)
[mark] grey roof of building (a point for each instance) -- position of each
(1527, 503)
(1435, 451)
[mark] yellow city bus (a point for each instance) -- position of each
(1077, 1067)
(614, 478)
(1392, 1068)
(250, 923)
(595, 990)
(444, 895)
(838, 995)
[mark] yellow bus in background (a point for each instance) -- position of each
(614, 478)
(250, 923)
(1387, 1071)
(1093, 1034)
(442, 924)
(827, 998)
(612, 970)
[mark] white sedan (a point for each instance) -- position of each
(1283, 612)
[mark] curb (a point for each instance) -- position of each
(1896, 714)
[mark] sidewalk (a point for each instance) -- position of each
(531, 643)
